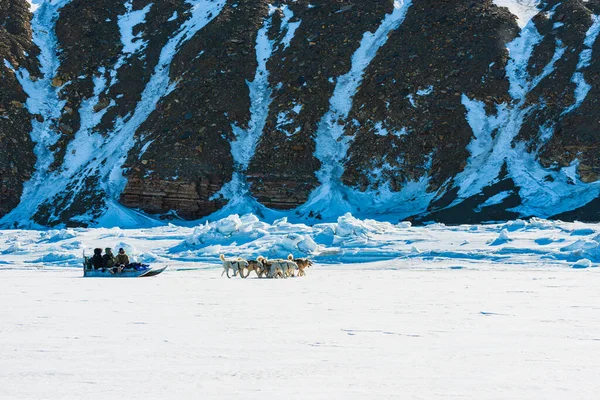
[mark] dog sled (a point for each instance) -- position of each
(132, 271)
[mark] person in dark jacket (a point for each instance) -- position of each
(97, 261)
(108, 260)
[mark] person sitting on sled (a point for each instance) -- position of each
(97, 261)
(122, 260)
(108, 259)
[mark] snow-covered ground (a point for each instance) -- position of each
(389, 311)
(402, 329)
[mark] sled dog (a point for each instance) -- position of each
(257, 266)
(281, 268)
(236, 264)
(302, 264)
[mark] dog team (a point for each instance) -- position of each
(277, 268)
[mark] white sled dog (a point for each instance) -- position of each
(236, 264)
(275, 269)
(280, 268)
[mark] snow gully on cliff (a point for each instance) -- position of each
(332, 197)
(42, 98)
(243, 147)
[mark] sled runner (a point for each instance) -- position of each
(126, 273)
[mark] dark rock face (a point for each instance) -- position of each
(412, 92)
(573, 136)
(153, 96)
(16, 148)
(188, 135)
(303, 73)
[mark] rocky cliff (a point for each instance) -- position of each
(125, 112)
(16, 147)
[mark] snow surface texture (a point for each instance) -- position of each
(473, 311)
(434, 324)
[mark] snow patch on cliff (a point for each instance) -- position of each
(127, 22)
(491, 146)
(585, 57)
(122, 140)
(244, 146)
(85, 143)
(524, 10)
(289, 27)
(34, 4)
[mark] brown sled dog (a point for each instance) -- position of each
(257, 266)
(302, 264)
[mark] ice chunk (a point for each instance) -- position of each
(502, 238)
(62, 258)
(348, 225)
(544, 241)
(16, 248)
(580, 245)
(539, 223)
(228, 225)
(307, 245)
(583, 263)
(583, 232)
(58, 235)
(130, 250)
(516, 225)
